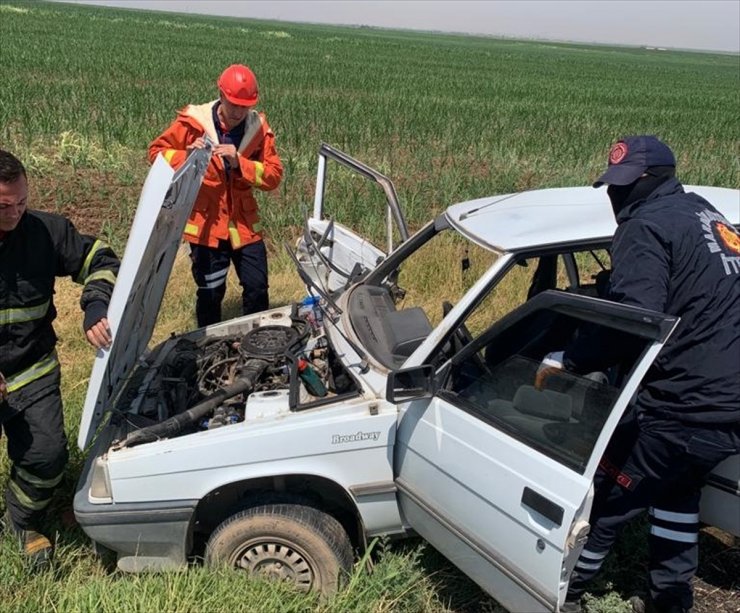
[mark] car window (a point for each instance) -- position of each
(344, 189)
(563, 417)
(442, 270)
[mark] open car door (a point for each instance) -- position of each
(497, 474)
(332, 255)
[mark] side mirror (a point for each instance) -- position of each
(410, 384)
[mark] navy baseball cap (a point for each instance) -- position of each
(630, 157)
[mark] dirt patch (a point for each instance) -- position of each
(97, 202)
(717, 583)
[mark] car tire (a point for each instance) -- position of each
(291, 542)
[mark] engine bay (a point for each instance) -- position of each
(195, 383)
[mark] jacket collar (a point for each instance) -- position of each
(668, 188)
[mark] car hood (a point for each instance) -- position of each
(164, 206)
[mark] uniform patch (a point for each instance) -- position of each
(618, 152)
(722, 239)
(728, 236)
(621, 478)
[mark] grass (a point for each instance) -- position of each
(447, 117)
(81, 582)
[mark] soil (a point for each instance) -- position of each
(96, 202)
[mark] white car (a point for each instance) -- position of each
(281, 442)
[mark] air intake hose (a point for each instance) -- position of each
(246, 379)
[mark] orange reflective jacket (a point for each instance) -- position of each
(225, 207)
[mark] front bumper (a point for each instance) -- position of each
(145, 535)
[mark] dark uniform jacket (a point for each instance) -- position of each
(41, 247)
(674, 252)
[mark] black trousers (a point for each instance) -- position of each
(659, 465)
(33, 423)
(210, 269)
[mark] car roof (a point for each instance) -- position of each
(538, 218)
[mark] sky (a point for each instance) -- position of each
(712, 25)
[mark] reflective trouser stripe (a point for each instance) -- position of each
(38, 481)
(674, 525)
(23, 314)
(191, 228)
(25, 500)
(38, 370)
(169, 154)
(215, 279)
(590, 560)
(236, 240)
(673, 516)
(259, 170)
(674, 535)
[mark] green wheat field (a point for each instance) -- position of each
(448, 118)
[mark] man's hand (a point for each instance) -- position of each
(99, 335)
(3, 389)
(228, 154)
(551, 364)
(198, 143)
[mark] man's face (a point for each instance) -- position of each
(232, 114)
(13, 198)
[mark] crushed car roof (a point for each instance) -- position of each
(537, 218)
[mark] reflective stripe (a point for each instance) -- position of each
(38, 543)
(676, 518)
(191, 228)
(38, 370)
(38, 481)
(85, 270)
(105, 275)
(213, 284)
(215, 279)
(259, 170)
(169, 154)
(15, 316)
(236, 240)
(588, 565)
(216, 275)
(592, 555)
(674, 535)
(25, 499)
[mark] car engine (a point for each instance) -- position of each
(186, 385)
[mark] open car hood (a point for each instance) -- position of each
(164, 206)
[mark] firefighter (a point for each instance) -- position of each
(36, 247)
(224, 224)
(672, 252)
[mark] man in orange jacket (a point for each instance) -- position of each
(224, 224)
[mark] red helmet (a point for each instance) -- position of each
(239, 85)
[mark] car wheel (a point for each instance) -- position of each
(290, 542)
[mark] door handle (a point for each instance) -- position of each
(546, 508)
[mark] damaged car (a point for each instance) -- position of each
(382, 404)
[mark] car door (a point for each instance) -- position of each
(332, 255)
(496, 473)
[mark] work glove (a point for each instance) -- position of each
(551, 364)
